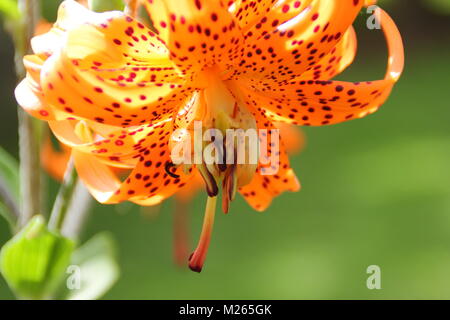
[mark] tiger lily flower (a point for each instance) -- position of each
(231, 64)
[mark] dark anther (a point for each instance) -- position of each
(170, 165)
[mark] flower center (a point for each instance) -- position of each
(229, 148)
(225, 147)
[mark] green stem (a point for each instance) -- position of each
(78, 212)
(64, 198)
(29, 129)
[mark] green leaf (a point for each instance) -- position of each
(98, 268)
(34, 261)
(9, 187)
(6, 213)
(106, 5)
(9, 172)
(9, 9)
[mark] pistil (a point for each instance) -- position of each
(198, 258)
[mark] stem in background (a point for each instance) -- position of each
(180, 232)
(30, 168)
(29, 129)
(64, 198)
(77, 212)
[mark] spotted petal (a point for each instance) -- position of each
(271, 178)
(113, 70)
(150, 182)
(198, 33)
(321, 102)
(294, 36)
(336, 61)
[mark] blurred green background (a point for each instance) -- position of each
(375, 192)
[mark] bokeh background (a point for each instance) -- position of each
(375, 192)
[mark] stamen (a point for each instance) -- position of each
(198, 258)
(211, 185)
(233, 184)
(168, 166)
(229, 188)
(223, 166)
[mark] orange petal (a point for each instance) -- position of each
(70, 15)
(30, 99)
(337, 60)
(247, 13)
(98, 178)
(151, 180)
(260, 192)
(106, 186)
(119, 147)
(294, 36)
(320, 102)
(197, 33)
(125, 79)
(110, 148)
(29, 93)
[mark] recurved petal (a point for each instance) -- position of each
(98, 178)
(324, 102)
(151, 181)
(321, 102)
(336, 61)
(113, 71)
(114, 146)
(294, 36)
(30, 99)
(274, 174)
(70, 15)
(29, 93)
